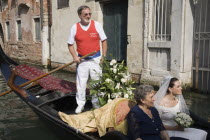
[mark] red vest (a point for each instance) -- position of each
(87, 41)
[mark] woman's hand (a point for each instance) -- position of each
(176, 128)
(138, 139)
(179, 128)
(164, 135)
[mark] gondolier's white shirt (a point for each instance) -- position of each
(99, 29)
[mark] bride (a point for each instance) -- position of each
(169, 101)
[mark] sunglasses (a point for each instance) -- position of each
(86, 14)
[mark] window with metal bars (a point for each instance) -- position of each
(19, 32)
(8, 30)
(63, 4)
(161, 20)
(37, 27)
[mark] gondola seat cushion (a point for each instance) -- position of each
(111, 115)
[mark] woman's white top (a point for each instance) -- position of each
(167, 115)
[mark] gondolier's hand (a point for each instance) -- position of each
(76, 59)
(101, 60)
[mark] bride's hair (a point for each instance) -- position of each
(171, 84)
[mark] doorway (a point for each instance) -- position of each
(115, 27)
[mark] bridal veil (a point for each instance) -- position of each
(163, 91)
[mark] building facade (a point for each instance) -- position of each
(154, 37)
(21, 29)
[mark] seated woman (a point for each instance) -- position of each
(169, 101)
(144, 122)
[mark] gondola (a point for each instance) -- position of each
(47, 103)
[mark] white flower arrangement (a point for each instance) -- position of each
(115, 82)
(184, 120)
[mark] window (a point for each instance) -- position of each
(37, 29)
(8, 30)
(161, 20)
(63, 3)
(19, 32)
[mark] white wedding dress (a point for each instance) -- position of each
(167, 114)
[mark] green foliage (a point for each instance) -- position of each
(115, 82)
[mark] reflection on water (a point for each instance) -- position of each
(18, 121)
(199, 104)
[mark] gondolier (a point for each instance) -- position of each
(87, 34)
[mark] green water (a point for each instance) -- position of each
(18, 121)
(199, 104)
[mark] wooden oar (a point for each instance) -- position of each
(61, 67)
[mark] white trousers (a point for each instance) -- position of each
(85, 69)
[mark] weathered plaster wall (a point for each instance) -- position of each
(135, 35)
(174, 57)
(63, 20)
(26, 49)
(188, 24)
(147, 59)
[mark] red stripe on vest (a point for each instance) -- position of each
(87, 41)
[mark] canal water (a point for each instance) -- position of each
(18, 122)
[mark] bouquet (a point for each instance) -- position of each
(115, 82)
(184, 120)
